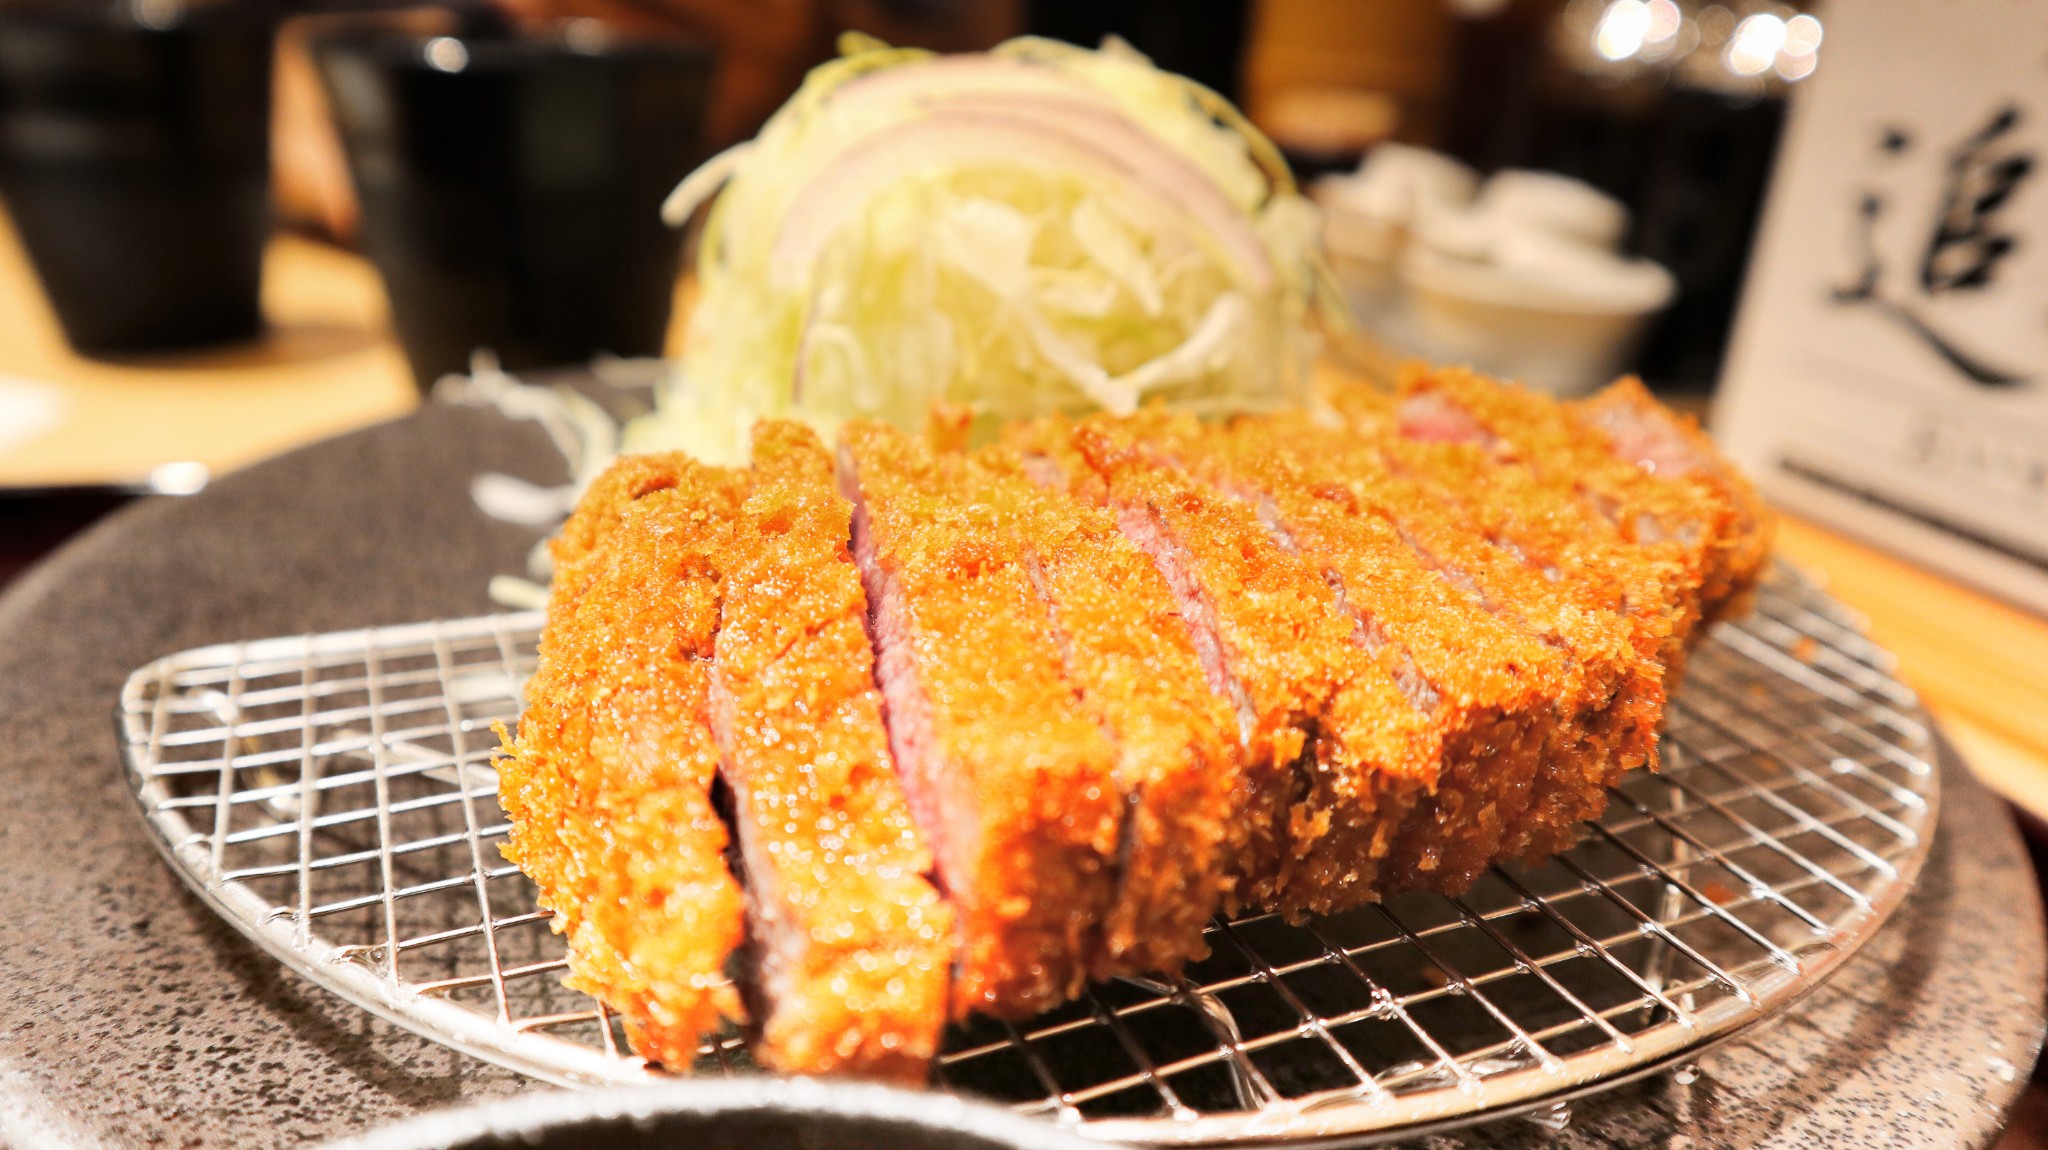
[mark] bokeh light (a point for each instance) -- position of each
(1756, 44)
(1623, 29)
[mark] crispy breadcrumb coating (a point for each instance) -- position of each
(1128, 652)
(1680, 461)
(1482, 688)
(852, 946)
(1557, 534)
(1010, 779)
(1264, 623)
(608, 782)
(997, 721)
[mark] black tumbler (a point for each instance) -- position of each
(511, 189)
(135, 158)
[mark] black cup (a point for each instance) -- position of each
(511, 189)
(135, 157)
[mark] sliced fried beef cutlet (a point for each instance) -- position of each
(1542, 493)
(1651, 474)
(1126, 649)
(1578, 553)
(1684, 537)
(996, 722)
(608, 781)
(1548, 524)
(1265, 625)
(1473, 694)
(1530, 437)
(605, 501)
(851, 945)
(1679, 458)
(1010, 779)
(1612, 700)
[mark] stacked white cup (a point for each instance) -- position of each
(1523, 279)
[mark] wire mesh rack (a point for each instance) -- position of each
(333, 796)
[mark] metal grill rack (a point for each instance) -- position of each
(332, 795)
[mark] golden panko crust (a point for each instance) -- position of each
(1127, 650)
(1012, 781)
(999, 720)
(853, 945)
(608, 782)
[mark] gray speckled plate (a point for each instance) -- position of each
(133, 1016)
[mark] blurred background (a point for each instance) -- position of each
(229, 228)
(197, 275)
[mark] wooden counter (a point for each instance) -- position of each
(1980, 664)
(328, 365)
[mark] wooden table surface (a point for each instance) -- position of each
(328, 365)
(1980, 664)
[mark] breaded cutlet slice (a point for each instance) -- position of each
(1545, 521)
(1677, 457)
(1520, 431)
(608, 781)
(1128, 652)
(1472, 694)
(1265, 626)
(1572, 547)
(1610, 697)
(851, 945)
(1010, 779)
(1719, 540)
(600, 507)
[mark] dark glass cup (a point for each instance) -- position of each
(135, 159)
(511, 189)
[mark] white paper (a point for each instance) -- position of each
(1889, 373)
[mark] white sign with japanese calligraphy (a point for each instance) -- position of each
(1889, 373)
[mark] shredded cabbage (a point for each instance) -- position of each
(1040, 228)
